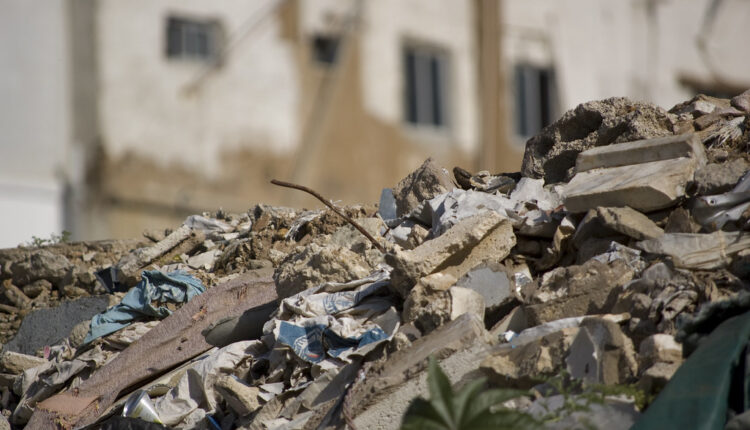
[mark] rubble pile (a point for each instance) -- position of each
(624, 235)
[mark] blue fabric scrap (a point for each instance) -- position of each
(176, 287)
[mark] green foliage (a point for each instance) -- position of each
(470, 408)
(53, 238)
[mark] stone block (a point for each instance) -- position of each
(646, 187)
(642, 151)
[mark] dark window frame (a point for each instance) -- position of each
(325, 48)
(192, 39)
(535, 94)
(426, 89)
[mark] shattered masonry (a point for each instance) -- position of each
(618, 253)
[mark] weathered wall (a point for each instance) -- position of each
(639, 48)
(34, 127)
(159, 153)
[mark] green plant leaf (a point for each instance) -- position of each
(422, 416)
(465, 397)
(489, 398)
(441, 393)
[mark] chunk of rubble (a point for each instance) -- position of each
(426, 182)
(41, 264)
(645, 175)
(435, 300)
(698, 251)
(602, 354)
(16, 363)
(606, 222)
(552, 153)
(642, 151)
(316, 264)
(527, 365)
(473, 240)
(576, 290)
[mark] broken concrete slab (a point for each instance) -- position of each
(426, 182)
(46, 327)
(698, 251)
(15, 363)
(491, 281)
(642, 151)
(605, 222)
(576, 290)
(455, 252)
(379, 399)
(646, 187)
(552, 153)
(601, 354)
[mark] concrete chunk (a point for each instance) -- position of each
(698, 251)
(529, 364)
(642, 151)
(605, 222)
(646, 187)
(660, 348)
(578, 290)
(426, 182)
(465, 245)
(491, 281)
(601, 353)
(15, 363)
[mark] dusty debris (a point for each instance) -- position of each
(628, 226)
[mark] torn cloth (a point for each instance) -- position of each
(155, 286)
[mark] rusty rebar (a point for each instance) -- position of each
(333, 208)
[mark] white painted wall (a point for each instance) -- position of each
(605, 48)
(146, 105)
(34, 121)
(447, 24)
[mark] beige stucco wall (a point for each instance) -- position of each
(636, 48)
(34, 121)
(187, 112)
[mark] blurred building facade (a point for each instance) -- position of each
(118, 115)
